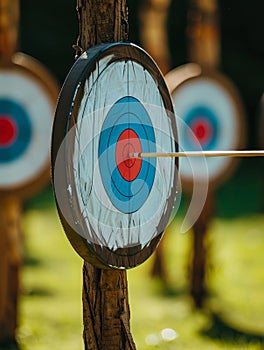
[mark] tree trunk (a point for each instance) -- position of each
(105, 309)
(154, 39)
(10, 263)
(198, 273)
(10, 216)
(106, 312)
(101, 22)
(153, 33)
(204, 48)
(203, 33)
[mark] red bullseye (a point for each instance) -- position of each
(202, 130)
(8, 131)
(128, 142)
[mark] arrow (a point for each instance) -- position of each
(256, 153)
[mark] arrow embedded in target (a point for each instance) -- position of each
(245, 153)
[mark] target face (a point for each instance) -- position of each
(114, 208)
(26, 108)
(210, 117)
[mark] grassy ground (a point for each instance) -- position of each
(162, 316)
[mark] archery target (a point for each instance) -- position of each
(25, 121)
(209, 118)
(119, 205)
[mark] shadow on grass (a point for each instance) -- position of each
(220, 330)
(165, 290)
(37, 292)
(9, 344)
(31, 261)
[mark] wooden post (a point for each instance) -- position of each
(154, 39)
(10, 264)
(10, 211)
(106, 314)
(9, 21)
(153, 31)
(204, 48)
(203, 33)
(198, 270)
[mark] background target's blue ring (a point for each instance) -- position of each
(24, 130)
(208, 115)
(126, 196)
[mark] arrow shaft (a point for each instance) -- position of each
(256, 153)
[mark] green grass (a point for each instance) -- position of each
(233, 317)
(51, 309)
(50, 315)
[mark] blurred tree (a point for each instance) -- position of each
(47, 31)
(243, 53)
(10, 264)
(153, 31)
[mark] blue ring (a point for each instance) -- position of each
(18, 114)
(126, 196)
(212, 120)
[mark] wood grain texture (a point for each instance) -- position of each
(106, 312)
(101, 22)
(106, 309)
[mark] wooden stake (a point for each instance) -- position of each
(10, 211)
(153, 31)
(199, 253)
(106, 313)
(9, 22)
(203, 33)
(10, 264)
(153, 16)
(204, 49)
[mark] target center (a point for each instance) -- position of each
(8, 131)
(128, 149)
(128, 142)
(202, 130)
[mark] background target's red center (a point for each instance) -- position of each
(8, 130)
(202, 130)
(128, 142)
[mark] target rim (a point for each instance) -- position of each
(96, 254)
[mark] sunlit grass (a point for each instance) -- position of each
(51, 309)
(233, 318)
